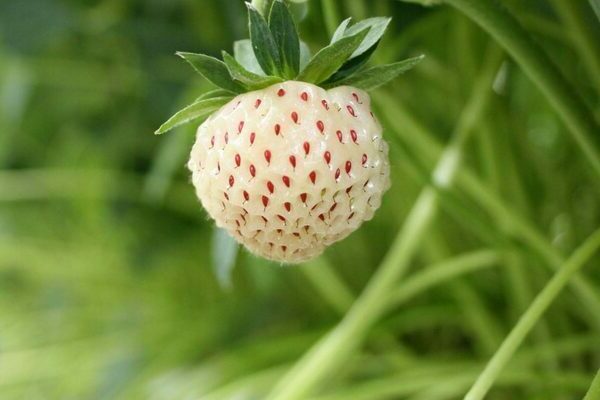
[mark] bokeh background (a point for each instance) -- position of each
(114, 285)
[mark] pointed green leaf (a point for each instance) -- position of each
(305, 55)
(376, 76)
(329, 59)
(213, 70)
(263, 43)
(243, 53)
(250, 80)
(196, 110)
(214, 93)
(340, 30)
(285, 33)
(262, 6)
(377, 25)
(353, 65)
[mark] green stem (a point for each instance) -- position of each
(423, 142)
(330, 15)
(570, 12)
(540, 69)
(595, 4)
(532, 315)
(329, 285)
(442, 272)
(593, 392)
(336, 347)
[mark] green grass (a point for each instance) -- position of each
(478, 275)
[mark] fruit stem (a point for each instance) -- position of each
(531, 316)
(535, 63)
(338, 345)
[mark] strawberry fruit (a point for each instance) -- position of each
(290, 158)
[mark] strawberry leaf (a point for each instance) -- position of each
(377, 25)
(305, 55)
(340, 30)
(263, 43)
(285, 33)
(213, 70)
(243, 53)
(374, 77)
(214, 93)
(329, 59)
(250, 80)
(196, 110)
(353, 65)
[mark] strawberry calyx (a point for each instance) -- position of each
(274, 53)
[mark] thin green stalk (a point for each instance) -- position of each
(528, 320)
(329, 285)
(419, 137)
(593, 392)
(357, 8)
(520, 293)
(330, 15)
(540, 69)
(337, 346)
(585, 42)
(442, 272)
(595, 4)
(479, 321)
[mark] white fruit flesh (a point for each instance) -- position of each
(290, 169)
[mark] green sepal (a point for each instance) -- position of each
(195, 111)
(305, 55)
(213, 70)
(374, 77)
(249, 79)
(263, 43)
(340, 30)
(214, 93)
(244, 54)
(329, 59)
(377, 25)
(353, 65)
(285, 33)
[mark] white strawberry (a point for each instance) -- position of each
(291, 169)
(286, 166)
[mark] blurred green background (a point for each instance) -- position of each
(108, 288)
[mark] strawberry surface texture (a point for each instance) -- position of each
(292, 168)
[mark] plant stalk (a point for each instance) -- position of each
(535, 63)
(528, 320)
